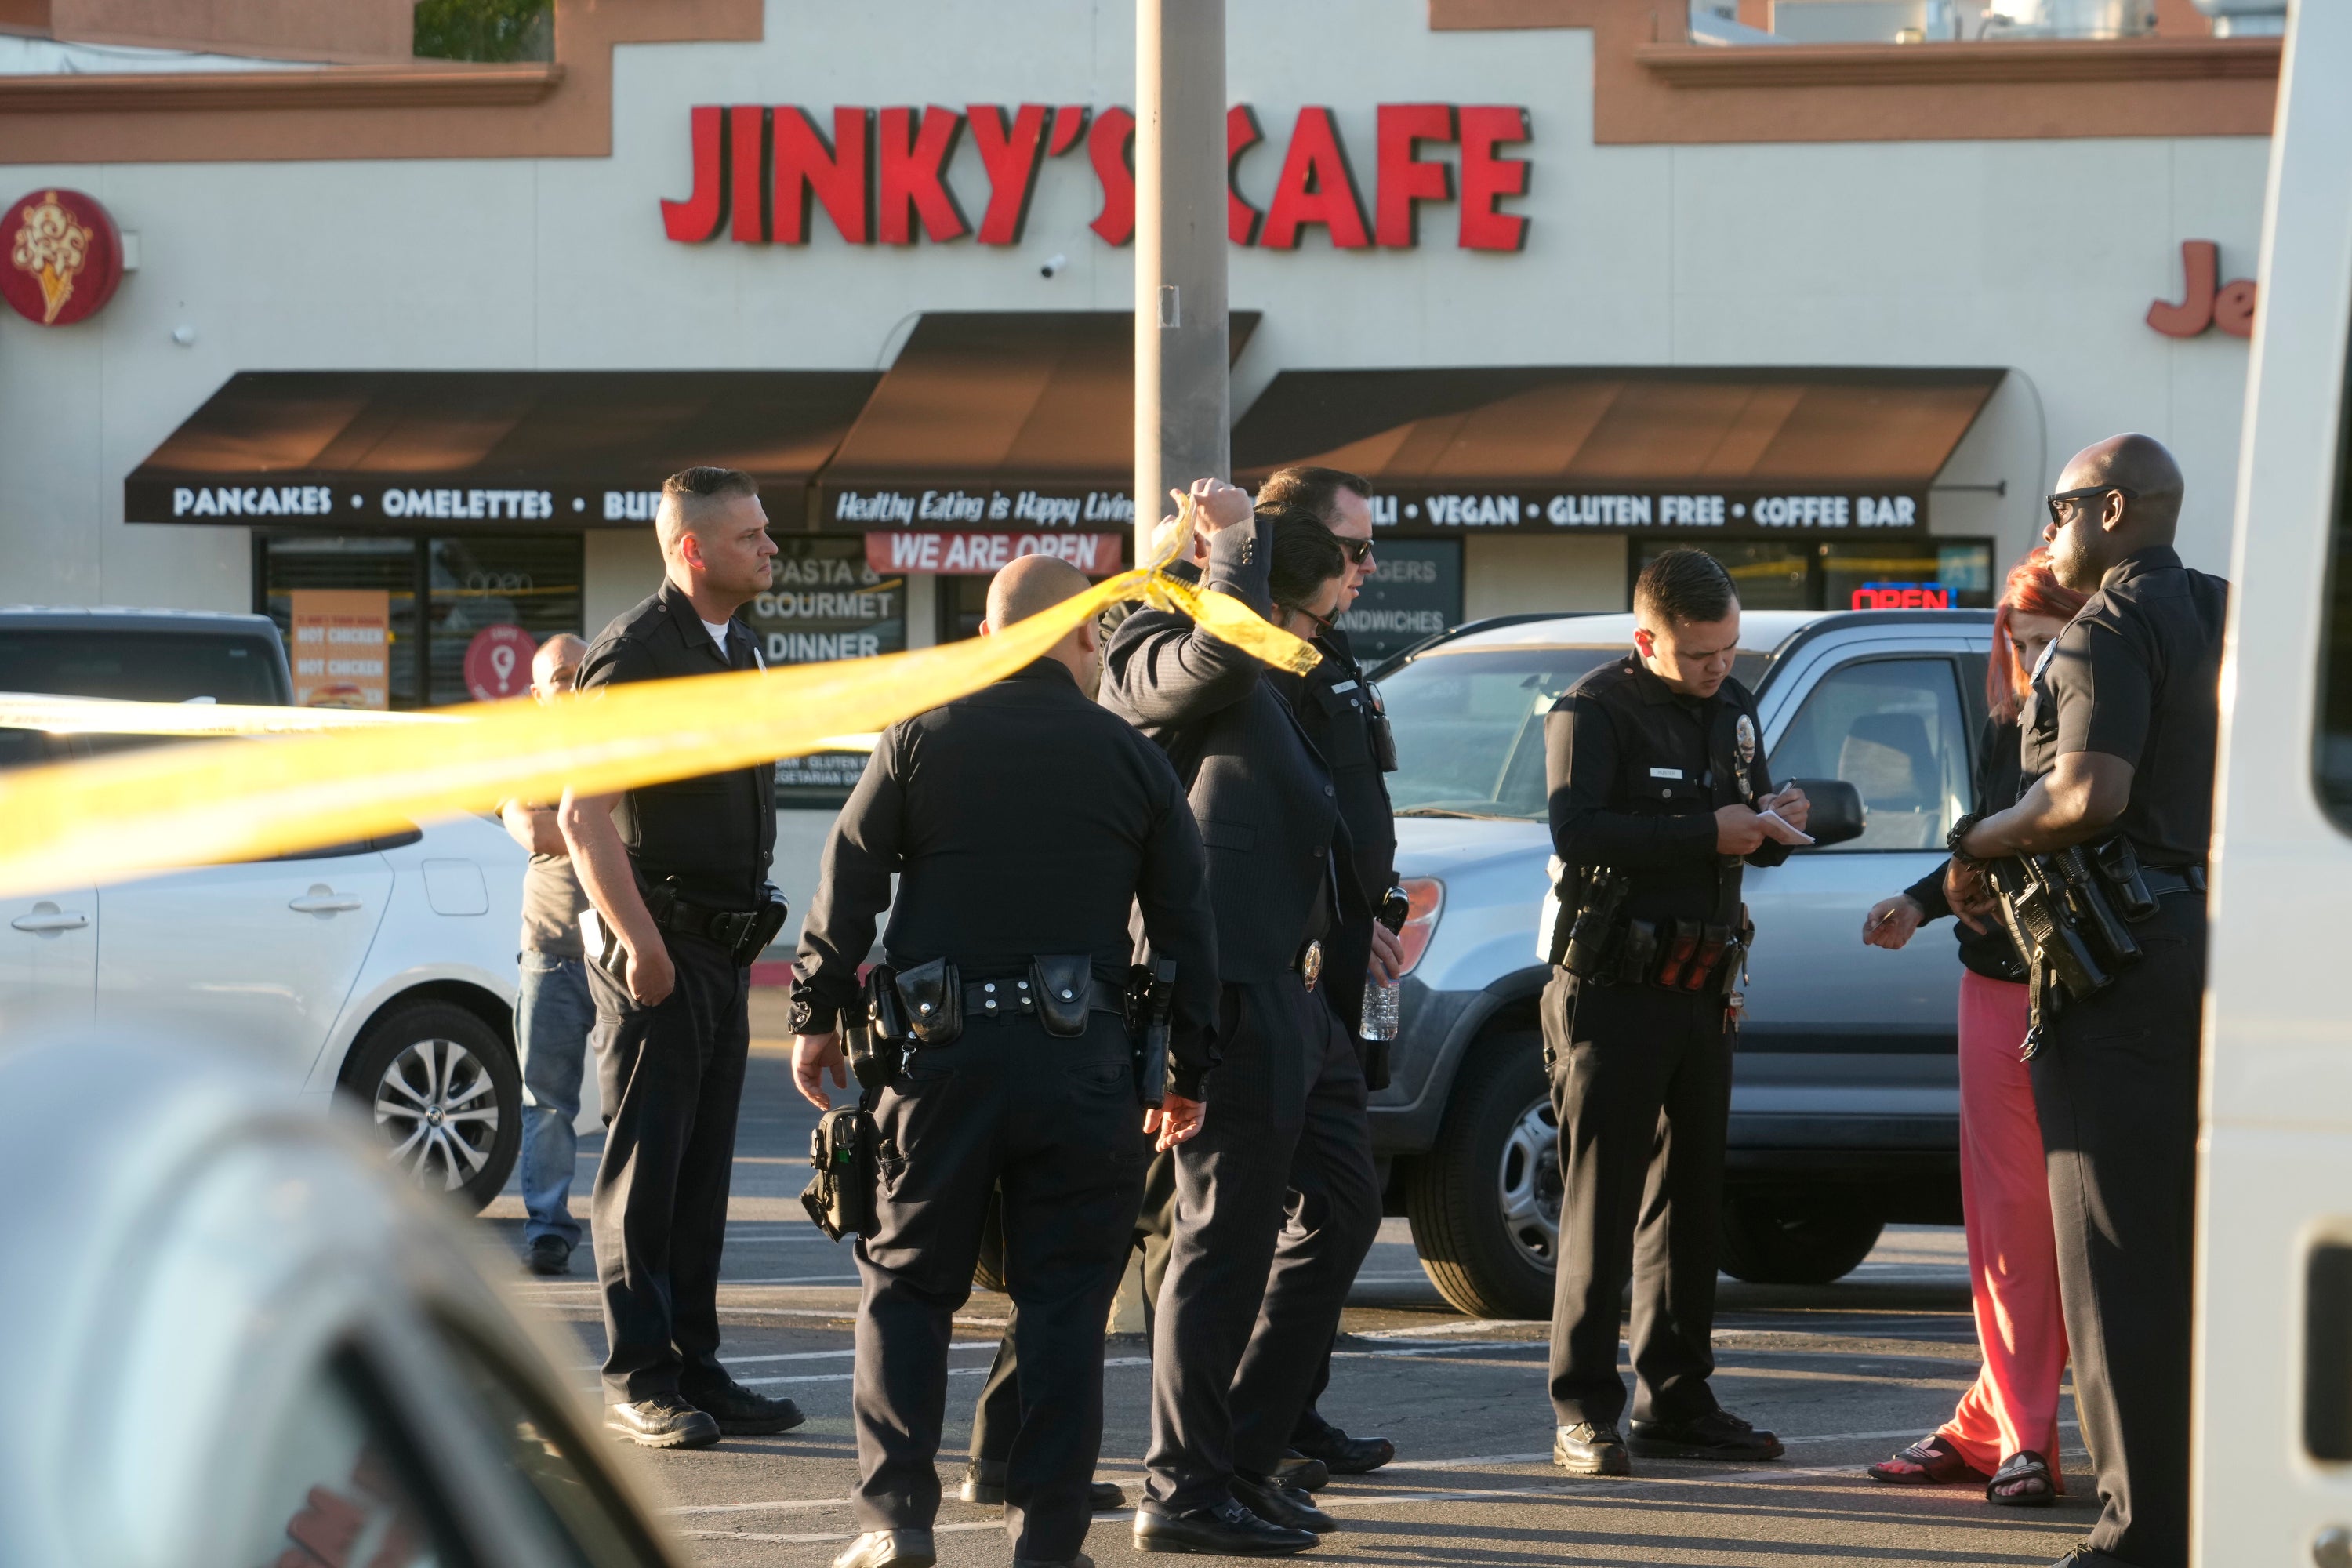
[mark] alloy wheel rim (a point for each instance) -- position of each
(436, 1104)
(1527, 1186)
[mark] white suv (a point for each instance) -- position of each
(384, 967)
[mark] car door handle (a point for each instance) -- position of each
(322, 902)
(51, 919)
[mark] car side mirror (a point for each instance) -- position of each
(1838, 815)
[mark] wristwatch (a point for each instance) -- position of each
(1959, 832)
(810, 1016)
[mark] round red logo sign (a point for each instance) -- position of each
(498, 663)
(60, 256)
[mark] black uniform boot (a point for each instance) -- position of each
(1718, 1435)
(743, 1414)
(1224, 1530)
(1340, 1454)
(663, 1421)
(1590, 1448)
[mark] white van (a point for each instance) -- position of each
(2273, 1444)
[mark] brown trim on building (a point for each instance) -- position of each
(2025, 60)
(406, 110)
(1649, 86)
(425, 85)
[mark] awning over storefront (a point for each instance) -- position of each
(488, 451)
(998, 421)
(1835, 453)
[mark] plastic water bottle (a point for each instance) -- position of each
(1380, 1011)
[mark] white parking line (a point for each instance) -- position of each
(1560, 1488)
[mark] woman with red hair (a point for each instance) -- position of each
(2005, 1432)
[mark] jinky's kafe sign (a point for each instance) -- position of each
(762, 172)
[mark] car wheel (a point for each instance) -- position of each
(443, 1088)
(1794, 1240)
(1484, 1202)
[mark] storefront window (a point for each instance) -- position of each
(963, 604)
(1920, 573)
(1414, 593)
(826, 604)
(532, 582)
(294, 570)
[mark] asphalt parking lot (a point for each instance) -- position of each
(1844, 1373)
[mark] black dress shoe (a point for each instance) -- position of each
(1718, 1435)
(1343, 1455)
(983, 1483)
(1590, 1448)
(663, 1421)
(889, 1549)
(1080, 1560)
(1296, 1470)
(2082, 1554)
(743, 1414)
(1278, 1504)
(1224, 1530)
(549, 1255)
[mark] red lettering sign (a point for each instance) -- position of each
(1010, 154)
(1240, 134)
(978, 554)
(912, 147)
(2205, 301)
(1110, 147)
(1486, 178)
(1902, 596)
(884, 174)
(834, 171)
(1316, 186)
(1406, 178)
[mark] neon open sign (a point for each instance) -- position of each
(1902, 596)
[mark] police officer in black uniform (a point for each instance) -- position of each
(676, 875)
(1656, 777)
(2120, 737)
(1340, 711)
(1255, 1286)
(1023, 824)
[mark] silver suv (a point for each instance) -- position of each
(1845, 1099)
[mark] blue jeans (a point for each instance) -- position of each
(553, 1016)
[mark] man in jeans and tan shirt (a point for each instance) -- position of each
(552, 1011)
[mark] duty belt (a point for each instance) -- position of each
(2164, 882)
(1014, 996)
(725, 927)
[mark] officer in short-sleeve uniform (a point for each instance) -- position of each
(2136, 676)
(672, 1075)
(1641, 1075)
(1023, 822)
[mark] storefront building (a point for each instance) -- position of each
(1566, 289)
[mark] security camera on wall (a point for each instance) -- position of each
(1054, 264)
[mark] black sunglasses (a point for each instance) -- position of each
(1359, 549)
(2065, 499)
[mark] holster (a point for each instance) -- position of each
(844, 1154)
(2088, 897)
(1150, 1003)
(2117, 864)
(1592, 938)
(876, 1043)
(933, 997)
(1637, 955)
(766, 921)
(1065, 987)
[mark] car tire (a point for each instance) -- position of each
(1485, 1201)
(432, 1055)
(1794, 1239)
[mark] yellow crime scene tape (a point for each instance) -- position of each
(332, 780)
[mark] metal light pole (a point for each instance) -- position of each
(1183, 397)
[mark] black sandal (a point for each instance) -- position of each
(2022, 1466)
(1941, 1465)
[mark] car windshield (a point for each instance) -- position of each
(140, 667)
(1469, 725)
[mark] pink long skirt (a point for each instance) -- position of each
(2012, 1255)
